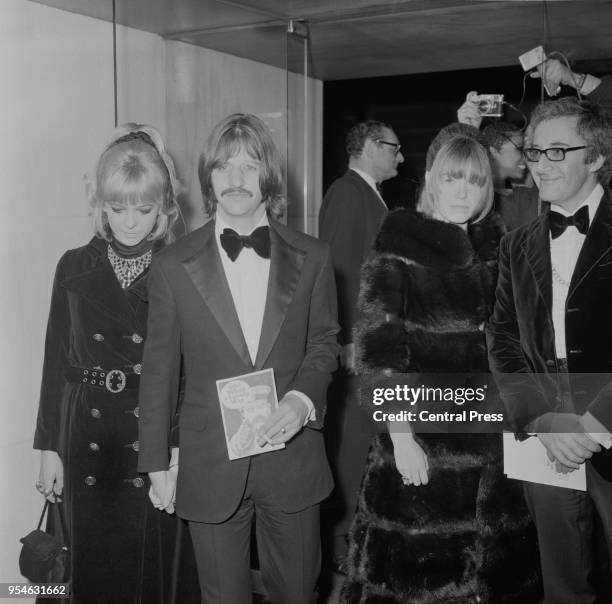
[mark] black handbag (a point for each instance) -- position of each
(45, 557)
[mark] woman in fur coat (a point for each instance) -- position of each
(436, 521)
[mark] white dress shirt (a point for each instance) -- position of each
(564, 252)
(247, 277)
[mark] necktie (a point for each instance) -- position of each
(558, 222)
(233, 243)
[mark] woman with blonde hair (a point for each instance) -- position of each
(430, 524)
(87, 427)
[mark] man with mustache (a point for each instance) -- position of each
(243, 293)
(550, 340)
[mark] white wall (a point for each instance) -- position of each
(56, 110)
(203, 86)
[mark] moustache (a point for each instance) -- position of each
(234, 190)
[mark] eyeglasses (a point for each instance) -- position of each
(396, 146)
(517, 147)
(552, 154)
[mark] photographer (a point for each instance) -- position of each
(515, 198)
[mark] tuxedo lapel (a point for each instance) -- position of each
(536, 247)
(597, 243)
(206, 271)
(285, 268)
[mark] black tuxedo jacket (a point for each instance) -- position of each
(192, 314)
(349, 220)
(520, 333)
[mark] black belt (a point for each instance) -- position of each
(111, 380)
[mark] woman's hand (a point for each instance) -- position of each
(163, 485)
(410, 459)
(51, 475)
(469, 113)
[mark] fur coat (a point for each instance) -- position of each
(426, 292)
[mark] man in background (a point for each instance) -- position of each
(351, 215)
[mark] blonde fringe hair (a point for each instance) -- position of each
(460, 157)
(134, 168)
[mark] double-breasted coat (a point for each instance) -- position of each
(121, 546)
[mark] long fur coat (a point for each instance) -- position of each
(426, 292)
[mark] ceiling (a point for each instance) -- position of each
(368, 38)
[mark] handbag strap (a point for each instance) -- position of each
(44, 511)
(60, 513)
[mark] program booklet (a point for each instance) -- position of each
(246, 401)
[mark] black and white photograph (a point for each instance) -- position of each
(246, 244)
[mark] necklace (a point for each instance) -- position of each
(128, 270)
(558, 278)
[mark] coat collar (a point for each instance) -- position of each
(536, 247)
(98, 284)
(206, 272)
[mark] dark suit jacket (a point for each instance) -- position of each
(192, 312)
(349, 220)
(520, 333)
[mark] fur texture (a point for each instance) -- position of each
(426, 292)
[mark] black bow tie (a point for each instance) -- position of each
(233, 243)
(559, 222)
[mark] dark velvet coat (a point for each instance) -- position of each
(121, 546)
(521, 333)
(425, 295)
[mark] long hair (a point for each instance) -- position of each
(459, 157)
(134, 168)
(243, 131)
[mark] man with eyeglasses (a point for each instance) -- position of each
(351, 214)
(553, 318)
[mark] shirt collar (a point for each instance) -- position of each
(367, 178)
(592, 202)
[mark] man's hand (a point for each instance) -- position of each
(347, 358)
(469, 113)
(410, 459)
(163, 486)
(566, 441)
(285, 422)
(554, 73)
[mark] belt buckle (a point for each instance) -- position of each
(121, 381)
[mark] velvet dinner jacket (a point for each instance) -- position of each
(192, 314)
(351, 216)
(520, 333)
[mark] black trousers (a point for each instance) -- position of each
(288, 546)
(569, 524)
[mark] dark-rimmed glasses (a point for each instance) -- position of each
(552, 153)
(396, 146)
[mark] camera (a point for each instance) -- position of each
(491, 105)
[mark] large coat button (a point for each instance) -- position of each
(138, 482)
(137, 338)
(98, 337)
(137, 368)
(136, 446)
(95, 447)
(90, 481)
(136, 411)
(95, 413)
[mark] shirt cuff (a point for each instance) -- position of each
(312, 412)
(596, 430)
